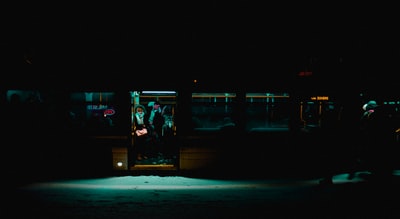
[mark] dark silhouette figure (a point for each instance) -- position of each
(379, 139)
(376, 145)
(156, 122)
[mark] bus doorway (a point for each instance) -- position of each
(153, 130)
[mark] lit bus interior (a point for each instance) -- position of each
(163, 146)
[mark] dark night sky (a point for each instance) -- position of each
(205, 38)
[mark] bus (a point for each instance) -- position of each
(212, 130)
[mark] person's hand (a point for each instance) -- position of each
(141, 132)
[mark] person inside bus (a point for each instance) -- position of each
(141, 132)
(167, 135)
(167, 127)
(156, 119)
(156, 122)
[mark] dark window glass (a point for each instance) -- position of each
(267, 111)
(211, 111)
(93, 111)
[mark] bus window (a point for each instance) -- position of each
(94, 112)
(267, 111)
(211, 111)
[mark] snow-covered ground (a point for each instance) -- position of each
(185, 197)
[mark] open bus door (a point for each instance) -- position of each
(160, 145)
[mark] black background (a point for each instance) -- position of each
(215, 41)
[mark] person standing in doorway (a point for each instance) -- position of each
(141, 132)
(156, 122)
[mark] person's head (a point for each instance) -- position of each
(156, 105)
(370, 105)
(140, 109)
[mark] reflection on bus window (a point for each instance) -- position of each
(211, 111)
(311, 113)
(24, 96)
(267, 111)
(26, 110)
(92, 111)
(320, 112)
